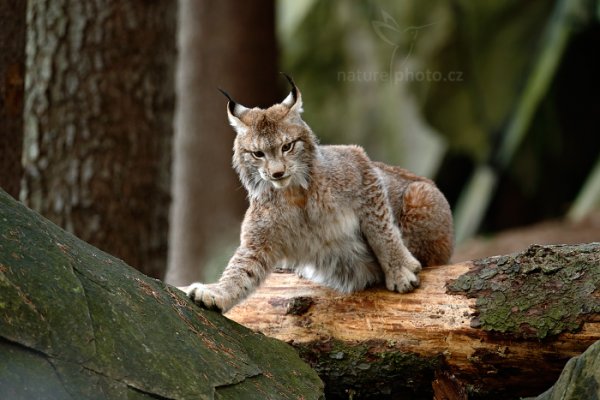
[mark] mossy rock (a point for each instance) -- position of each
(580, 378)
(78, 323)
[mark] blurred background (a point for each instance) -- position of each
(112, 125)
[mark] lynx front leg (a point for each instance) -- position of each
(210, 296)
(244, 273)
(399, 266)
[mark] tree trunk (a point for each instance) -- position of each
(12, 78)
(77, 323)
(224, 44)
(501, 327)
(98, 122)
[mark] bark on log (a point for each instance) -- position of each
(501, 327)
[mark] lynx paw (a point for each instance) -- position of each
(401, 280)
(207, 296)
(412, 264)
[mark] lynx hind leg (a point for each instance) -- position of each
(425, 219)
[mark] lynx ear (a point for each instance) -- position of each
(294, 100)
(234, 112)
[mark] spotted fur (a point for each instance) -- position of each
(328, 213)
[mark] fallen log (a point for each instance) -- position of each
(501, 327)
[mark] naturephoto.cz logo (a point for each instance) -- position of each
(388, 30)
(399, 76)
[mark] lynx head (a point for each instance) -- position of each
(274, 148)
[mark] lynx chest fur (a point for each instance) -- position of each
(321, 228)
(327, 212)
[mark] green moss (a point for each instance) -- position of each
(374, 369)
(100, 329)
(543, 291)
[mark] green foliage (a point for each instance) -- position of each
(464, 63)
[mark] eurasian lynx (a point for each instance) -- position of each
(327, 212)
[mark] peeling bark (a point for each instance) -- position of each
(543, 291)
(98, 122)
(502, 327)
(78, 323)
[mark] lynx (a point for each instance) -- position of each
(328, 213)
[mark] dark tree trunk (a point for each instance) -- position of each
(98, 122)
(12, 78)
(502, 327)
(226, 44)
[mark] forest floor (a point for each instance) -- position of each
(517, 239)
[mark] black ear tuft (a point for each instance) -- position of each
(291, 81)
(231, 105)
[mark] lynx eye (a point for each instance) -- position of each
(258, 154)
(287, 147)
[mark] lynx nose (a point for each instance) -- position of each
(277, 174)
